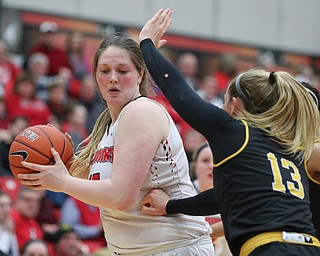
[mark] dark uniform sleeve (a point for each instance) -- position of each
(198, 113)
(202, 204)
(201, 115)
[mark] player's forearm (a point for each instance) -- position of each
(99, 193)
(202, 204)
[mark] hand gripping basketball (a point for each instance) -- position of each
(34, 145)
(49, 177)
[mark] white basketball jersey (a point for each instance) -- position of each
(133, 233)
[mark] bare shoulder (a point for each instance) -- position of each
(315, 155)
(145, 115)
(145, 109)
(313, 164)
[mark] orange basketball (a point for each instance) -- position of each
(34, 145)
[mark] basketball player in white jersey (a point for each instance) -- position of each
(134, 148)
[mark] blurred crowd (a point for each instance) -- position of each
(54, 85)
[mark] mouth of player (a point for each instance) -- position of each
(114, 90)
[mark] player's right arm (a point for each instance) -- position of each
(141, 123)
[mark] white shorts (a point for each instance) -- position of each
(203, 247)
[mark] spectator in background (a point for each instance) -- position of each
(35, 247)
(91, 100)
(57, 57)
(58, 101)
(49, 214)
(75, 48)
(201, 167)
(209, 91)
(8, 239)
(201, 172)
(37, 68)
(8, 69)
(67, 243)
(85, 220)
(188, 64)
(23, 102)
(226, 71)
(191, 140)
(75, 123)
(57, 199)
(4, 119)
(17, 125)
(71, 84)
(24, 213)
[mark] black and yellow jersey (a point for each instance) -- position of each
(258, 186)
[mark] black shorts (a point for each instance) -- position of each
(285, 249)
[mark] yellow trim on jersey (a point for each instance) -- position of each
(277, 236)
(240, 149)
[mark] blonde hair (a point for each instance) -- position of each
(81, 164)
(279, 105)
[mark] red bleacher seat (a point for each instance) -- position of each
(10, 185)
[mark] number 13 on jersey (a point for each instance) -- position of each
(295, 186)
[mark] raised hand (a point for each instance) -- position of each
(157, 27)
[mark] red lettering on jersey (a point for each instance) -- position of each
(95, 176)
(103, 155)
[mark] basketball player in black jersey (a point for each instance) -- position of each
(261, 142)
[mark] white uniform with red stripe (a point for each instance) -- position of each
(133, 233)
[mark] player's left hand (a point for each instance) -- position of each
(46, 177)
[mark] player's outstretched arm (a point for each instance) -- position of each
(198, 113)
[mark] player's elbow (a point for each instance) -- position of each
(124, 203)
(118, 205)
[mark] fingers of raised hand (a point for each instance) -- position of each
(156, 17)
(162, 16)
